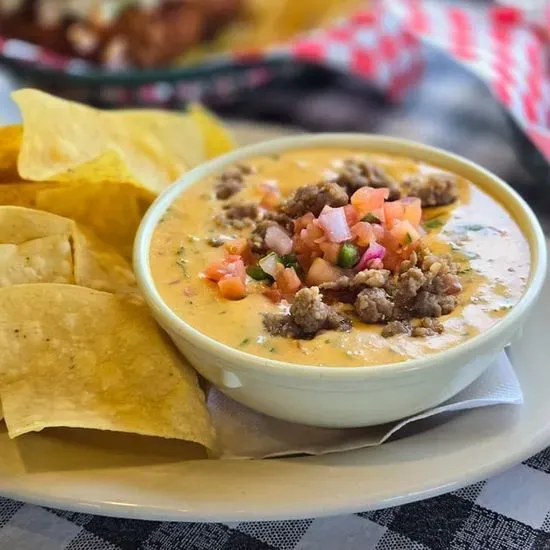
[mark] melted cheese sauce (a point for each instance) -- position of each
(478, 231)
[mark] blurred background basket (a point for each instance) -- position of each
(368, 54)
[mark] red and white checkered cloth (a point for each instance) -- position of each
(506, 47)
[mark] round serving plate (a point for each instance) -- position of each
(130, 476)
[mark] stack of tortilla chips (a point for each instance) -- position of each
(79, 348)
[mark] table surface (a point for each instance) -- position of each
(511, 511)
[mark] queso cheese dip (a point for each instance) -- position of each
(337, 257)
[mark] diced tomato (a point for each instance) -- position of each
(312, 235)
(393, 211)
(352, 215)
(322, 271)
(236, 247)
(270, 199)
(305, 259)
(379, 213)
(331, 251)
(367, 199)
(230, 266)
(364, 234)
(378, 231)
(412, 210)
(404, 232)
(273, 293)
(303, 222)
(308, 242)
(390, 241)
(215, 270)
(396, 249)
(288, 281)
(392, 259)
(232, 287)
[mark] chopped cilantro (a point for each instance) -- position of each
(408, 239)
(371, 218)
(245, 342)
(474, 227)
(289, 260)
(257, 273)
(433, 223)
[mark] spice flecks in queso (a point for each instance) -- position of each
(477, 231)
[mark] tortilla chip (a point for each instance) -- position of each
(19, 225)
(60, 135)
(112, 212)
(23, 193)
(96, 265)
(170, 136)
(45, 260)
(10, 144)
(217, 139)
(76, 357)
(107, 167)
(101, 267)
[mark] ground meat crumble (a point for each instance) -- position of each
(231, 181)
(436, 189)
(425, 287)
(407, 302)
(308, 315)
(313, 198)
(238, 216)
(356, 174)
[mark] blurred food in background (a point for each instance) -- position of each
(153, 33)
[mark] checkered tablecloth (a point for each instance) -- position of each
(511, 511)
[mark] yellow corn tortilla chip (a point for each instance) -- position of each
(108, 167)
(217, 139)
(45, 260)
(168, 137)
(96, 265)
(23, 193)
(10, 144)
(76, 357)
(101, 267)
(19, 225)
(60, 135)
(112, 212)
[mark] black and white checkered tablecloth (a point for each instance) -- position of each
(508, 512)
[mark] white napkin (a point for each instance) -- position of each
(245, 433)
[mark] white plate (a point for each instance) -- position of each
(128, 476)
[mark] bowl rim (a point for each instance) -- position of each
(364, 142)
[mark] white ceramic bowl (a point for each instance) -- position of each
(335, 396)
